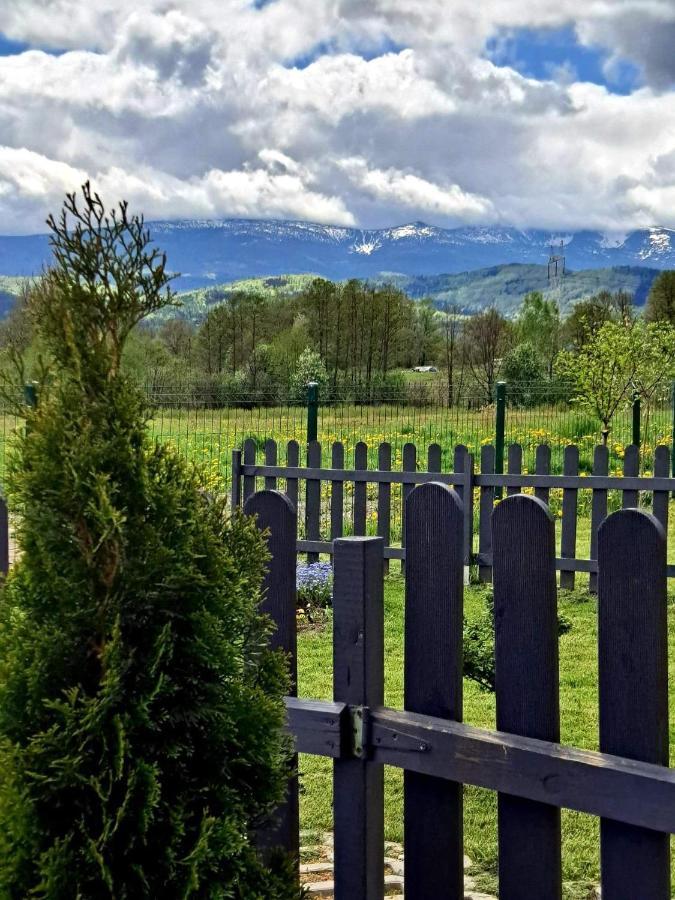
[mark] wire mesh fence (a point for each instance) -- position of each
(206, 429)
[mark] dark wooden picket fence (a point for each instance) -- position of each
(248, 473)
(627, 784)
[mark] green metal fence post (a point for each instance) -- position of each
(500, 427)
(636, 419)
(312, 411)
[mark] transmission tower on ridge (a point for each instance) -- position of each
(556, 271)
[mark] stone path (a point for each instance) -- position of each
(316, 869)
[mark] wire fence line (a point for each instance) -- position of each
(206, 429)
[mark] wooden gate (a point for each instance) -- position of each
(627, 784)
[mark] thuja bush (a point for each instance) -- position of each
(140, 707)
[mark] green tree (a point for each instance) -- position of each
(538, 324)
(140, 706)
(661, 300)
(310, 367)
(522, 369)
(588, 316)
(485, 339)
(602, 372)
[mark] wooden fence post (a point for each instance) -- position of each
(275, 512)
(358, 679)
(633, 689)
(433, 685)
(526, 672)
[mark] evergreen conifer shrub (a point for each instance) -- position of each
(140, 707)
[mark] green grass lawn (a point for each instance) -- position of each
(579, 727)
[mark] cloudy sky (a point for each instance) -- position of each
(356, 112)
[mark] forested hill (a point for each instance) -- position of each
(501, 286)
(505, 286)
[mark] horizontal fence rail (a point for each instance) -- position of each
(337, 500)
(627, 783)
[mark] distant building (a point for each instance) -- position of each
(425, 369)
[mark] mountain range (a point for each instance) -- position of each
(215, 252)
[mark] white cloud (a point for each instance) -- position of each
(408, 191)
(196, 108)
(31, 183)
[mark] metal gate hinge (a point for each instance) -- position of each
(360, 733)
(388, 738)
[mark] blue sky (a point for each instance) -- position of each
(555, 53)
(9, 47)
(555, 114)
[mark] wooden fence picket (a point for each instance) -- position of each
(276, 513)
(270, 460)
(631, 468)
(235, 487)
(526, 674)
(360, 490)
(542, 466)
(568, 538)
(358, 679)
(368, 516)
(458, 463)
(433, 685)
(515, 466)
(337, 493)
(633, 689)
(292, 460)
(660, 498)
(467, 499)
(434, 458)
(409, 465)
(384, 498)
(598, 508)
(250, 449)
(487, 499)
(313, 499)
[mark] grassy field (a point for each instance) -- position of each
(209, 435)
(579, 727)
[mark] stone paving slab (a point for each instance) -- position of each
(317, 860)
